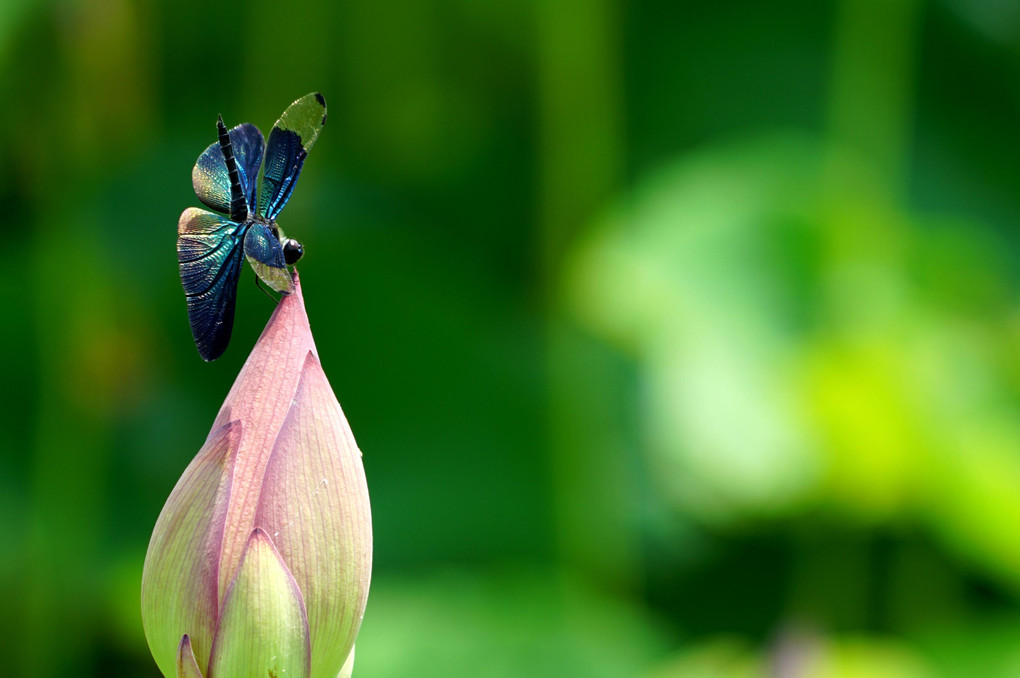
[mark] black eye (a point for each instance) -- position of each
(292, 251)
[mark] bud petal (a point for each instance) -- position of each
(261, 397)
(187, 667)
(179, 581)
(263, 629)
(315, 505)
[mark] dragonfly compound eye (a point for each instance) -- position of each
(292, 251)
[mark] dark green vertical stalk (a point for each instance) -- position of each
(580, 101)
(870, 124)
(873, 86)
(79, 126)
(71, 444)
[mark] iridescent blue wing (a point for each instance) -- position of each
(289, 142)
(211, 178)
(265, 254)
(209, 251)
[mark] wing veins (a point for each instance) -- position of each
(231, 262)
(211, 252)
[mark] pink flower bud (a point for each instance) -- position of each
(260, 561)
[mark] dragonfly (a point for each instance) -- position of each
(212, 245)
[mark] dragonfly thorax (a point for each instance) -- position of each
(268, 223)
(292, 249)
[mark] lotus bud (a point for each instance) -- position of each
(260, 561)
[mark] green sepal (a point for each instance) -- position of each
(180, 592)
(263, 628)
(348, 668)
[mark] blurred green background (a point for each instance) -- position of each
(681, 339)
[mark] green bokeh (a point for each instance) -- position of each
(681, 339)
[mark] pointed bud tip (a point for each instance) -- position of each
(187, 666)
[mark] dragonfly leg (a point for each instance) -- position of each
(264, 290)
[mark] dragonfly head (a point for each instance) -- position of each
(292, 251)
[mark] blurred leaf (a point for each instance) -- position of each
(499, 623)
(798, 352)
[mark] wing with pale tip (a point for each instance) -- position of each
(289, 142)
(209, 251)
(211, 178)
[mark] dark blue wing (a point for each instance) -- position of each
(289, 142)
(210, 178)
(265, 254)
(209, 251)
